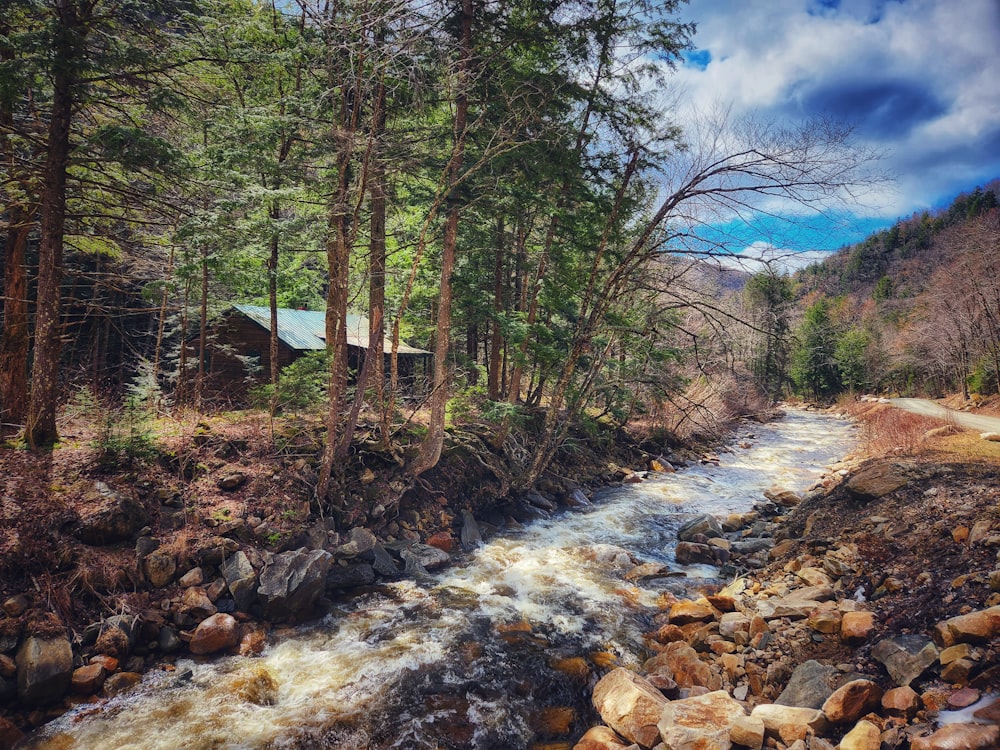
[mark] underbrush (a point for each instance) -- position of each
(888, 431)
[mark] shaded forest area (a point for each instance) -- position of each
(495, 184)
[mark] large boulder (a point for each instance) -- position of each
(291, 583)
(630, 705)
(108, 516)
(876, 481)
(241, 579)
(975, 627)
(44, 670)
(700, 723)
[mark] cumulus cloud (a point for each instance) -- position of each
(760, 256)
(916, 78)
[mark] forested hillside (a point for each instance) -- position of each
(913, 310)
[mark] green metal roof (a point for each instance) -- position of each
(305, 330)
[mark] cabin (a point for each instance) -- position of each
(239, 348)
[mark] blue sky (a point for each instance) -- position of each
(918, 79)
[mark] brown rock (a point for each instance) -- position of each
(681, 663)
(194, 577)
(703, 721)
(990, 712)
(600, 738)
(160, 567)
(974, 627)
(16, 606)
(553, 721)
(963, 698)
(197, 603)
(722, 602)
(88, 680)
(864, 736)
(814, 576)
(253, 638)
(855, 627)
(574, 666)
(960, 737)
(687, 611)
(668, 634)
(109, 663)
(901, 701)
(214, 634)
(825, 621)
(630, 705)
(443, 541)
(958, 671)
(120, 682)
(852, 701)
(960, 534)
(9, 734)
(8, 667)
(950, 654)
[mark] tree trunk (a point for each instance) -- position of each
(14, 341)
(199, 383)
(376, 258)
(493, 377)
(41, 419)
(430, 448)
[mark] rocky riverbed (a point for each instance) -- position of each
(871, 621)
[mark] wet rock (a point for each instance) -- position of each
(601, 738)
(44, 669)
(630, 705)
(783, 497)
(241, 579)
(809, 686)
(213, 634)
(383, 563)
(108, 516)
(160, 568)
(88, 680)
(852, 701)
(864, 736)
(292, 582)
(574, 499)
(702, 722)
(10, 735)
(430, 558)
(901, 701)
(974, 627)
(442, 540)
(960, 737)
(552, 721)
(168, 639)
(350, 576)
(120, 682)
(856, 627)
(905, 657)
(703, 525)
(691, 553)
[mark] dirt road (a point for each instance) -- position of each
(961, 418)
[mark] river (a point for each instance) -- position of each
(498, 651)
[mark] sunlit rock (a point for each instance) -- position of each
(630, 705)
(703, 722)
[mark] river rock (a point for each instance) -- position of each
(960, 737)
(680, 662)
(792, 607)
(357, 541)
(196, 603)
(430, 558)
(700, 723)
(783, 497)
(600, 738)
(88, 680)
(574, 499)
(241, 579)
(974, 627)
(44, 669)
(630, 705)
(120, 682)
(852, 701)
(809, 686)
(10, 734)
(686, 611)
(901, 701)
(350, 576)
(905, 657)
(213, 634)
(160, 567)
(864, 736)
(691, 553)
(291, 583)
(383, 563)
(108, 516)
(776, 717)
(704, 525)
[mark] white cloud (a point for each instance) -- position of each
(761, 256)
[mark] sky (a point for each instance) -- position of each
(917, 79)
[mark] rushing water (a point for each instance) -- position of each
(494, 652)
